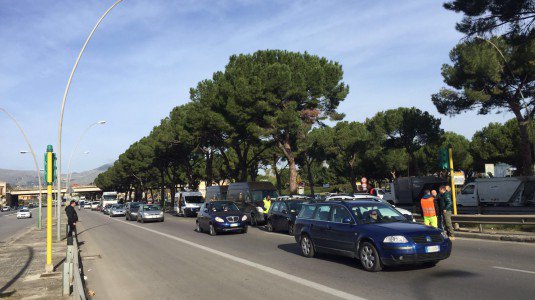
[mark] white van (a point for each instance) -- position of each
(188, 203)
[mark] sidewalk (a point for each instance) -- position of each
(22, 265)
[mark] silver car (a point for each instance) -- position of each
(149, 213)
(117, 210)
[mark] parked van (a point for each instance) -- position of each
(249, 197)
(188, 203)
(506, 191)
(216, 193)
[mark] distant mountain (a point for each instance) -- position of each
(26, 178)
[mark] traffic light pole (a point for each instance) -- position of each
(452, 176)
(49, 177)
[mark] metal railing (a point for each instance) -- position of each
(494, 220)
(72, 272)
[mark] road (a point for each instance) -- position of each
(10, 226)
(171, 261)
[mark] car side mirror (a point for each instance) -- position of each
(347, 221)
(206, 210)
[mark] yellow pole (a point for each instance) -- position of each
(49, 181)
(452, 175)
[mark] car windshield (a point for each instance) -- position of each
(223, 206)
(151, 207)
(295, 206)
(194, 199)
(118, 207)
(377, 213)
(259, 195)
(24, 210)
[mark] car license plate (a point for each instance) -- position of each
(431, 249)
(234, 225)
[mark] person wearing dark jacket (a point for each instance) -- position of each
(72, 217)
(438, 209)
(447, 209)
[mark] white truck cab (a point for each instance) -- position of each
(188, 203)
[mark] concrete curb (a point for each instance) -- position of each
(496, 237)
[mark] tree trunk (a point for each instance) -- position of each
(277, 173)
(287, 150)
(209, 167)
(162, 188)
(353, 179)
(310, 177)
(525, 149)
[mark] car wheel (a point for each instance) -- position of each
(269, 226)
(142, 221)
(307, 248)
(290, 228)
(253, 220)
(162, 220)
(369, 258)
(244, 230)
(199, 229)
(212, 230)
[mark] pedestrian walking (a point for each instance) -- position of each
(429, 211)
(447, 209)
(267, 205)
(72, 217)
(436, 200)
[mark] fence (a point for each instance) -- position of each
(494, 219)
(72, 271)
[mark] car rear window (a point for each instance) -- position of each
(307, 211)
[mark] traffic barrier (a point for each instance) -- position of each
(72, 272)
(495, 219)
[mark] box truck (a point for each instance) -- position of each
(505, 191)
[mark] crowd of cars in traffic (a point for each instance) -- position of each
(361, 226)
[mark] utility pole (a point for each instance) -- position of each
(50, 176)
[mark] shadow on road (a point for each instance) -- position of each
(90, 228)
(18, 275)
(347, 261)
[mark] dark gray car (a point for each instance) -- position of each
(131, 211)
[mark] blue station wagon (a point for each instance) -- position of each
(371, 231)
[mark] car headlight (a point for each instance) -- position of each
(259, 209)
(444, 234)
(218, 219)
(244, 218)
(398, 239)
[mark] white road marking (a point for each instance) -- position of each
(296, 279)
(514, 270)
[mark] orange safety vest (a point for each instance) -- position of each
(428, 207)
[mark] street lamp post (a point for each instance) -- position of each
(58, 238)
(69, 173)
(34, 161)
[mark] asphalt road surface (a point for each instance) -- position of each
(10, 226)
(129, 260)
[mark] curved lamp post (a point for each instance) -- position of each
(34, 161)
(58, 196)
(69, 173)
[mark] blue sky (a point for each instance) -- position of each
(147, 54)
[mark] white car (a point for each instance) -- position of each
(402, 211)
(24, 213)
(6, 208)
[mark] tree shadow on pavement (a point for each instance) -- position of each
(90, 228)
(18, 275)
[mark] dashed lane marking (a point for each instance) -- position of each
(513, 270)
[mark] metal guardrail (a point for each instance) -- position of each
(72, 272)
(494, 219)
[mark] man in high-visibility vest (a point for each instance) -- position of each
(428, 209)
(267, 205)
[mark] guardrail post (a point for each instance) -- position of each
(67, 270)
